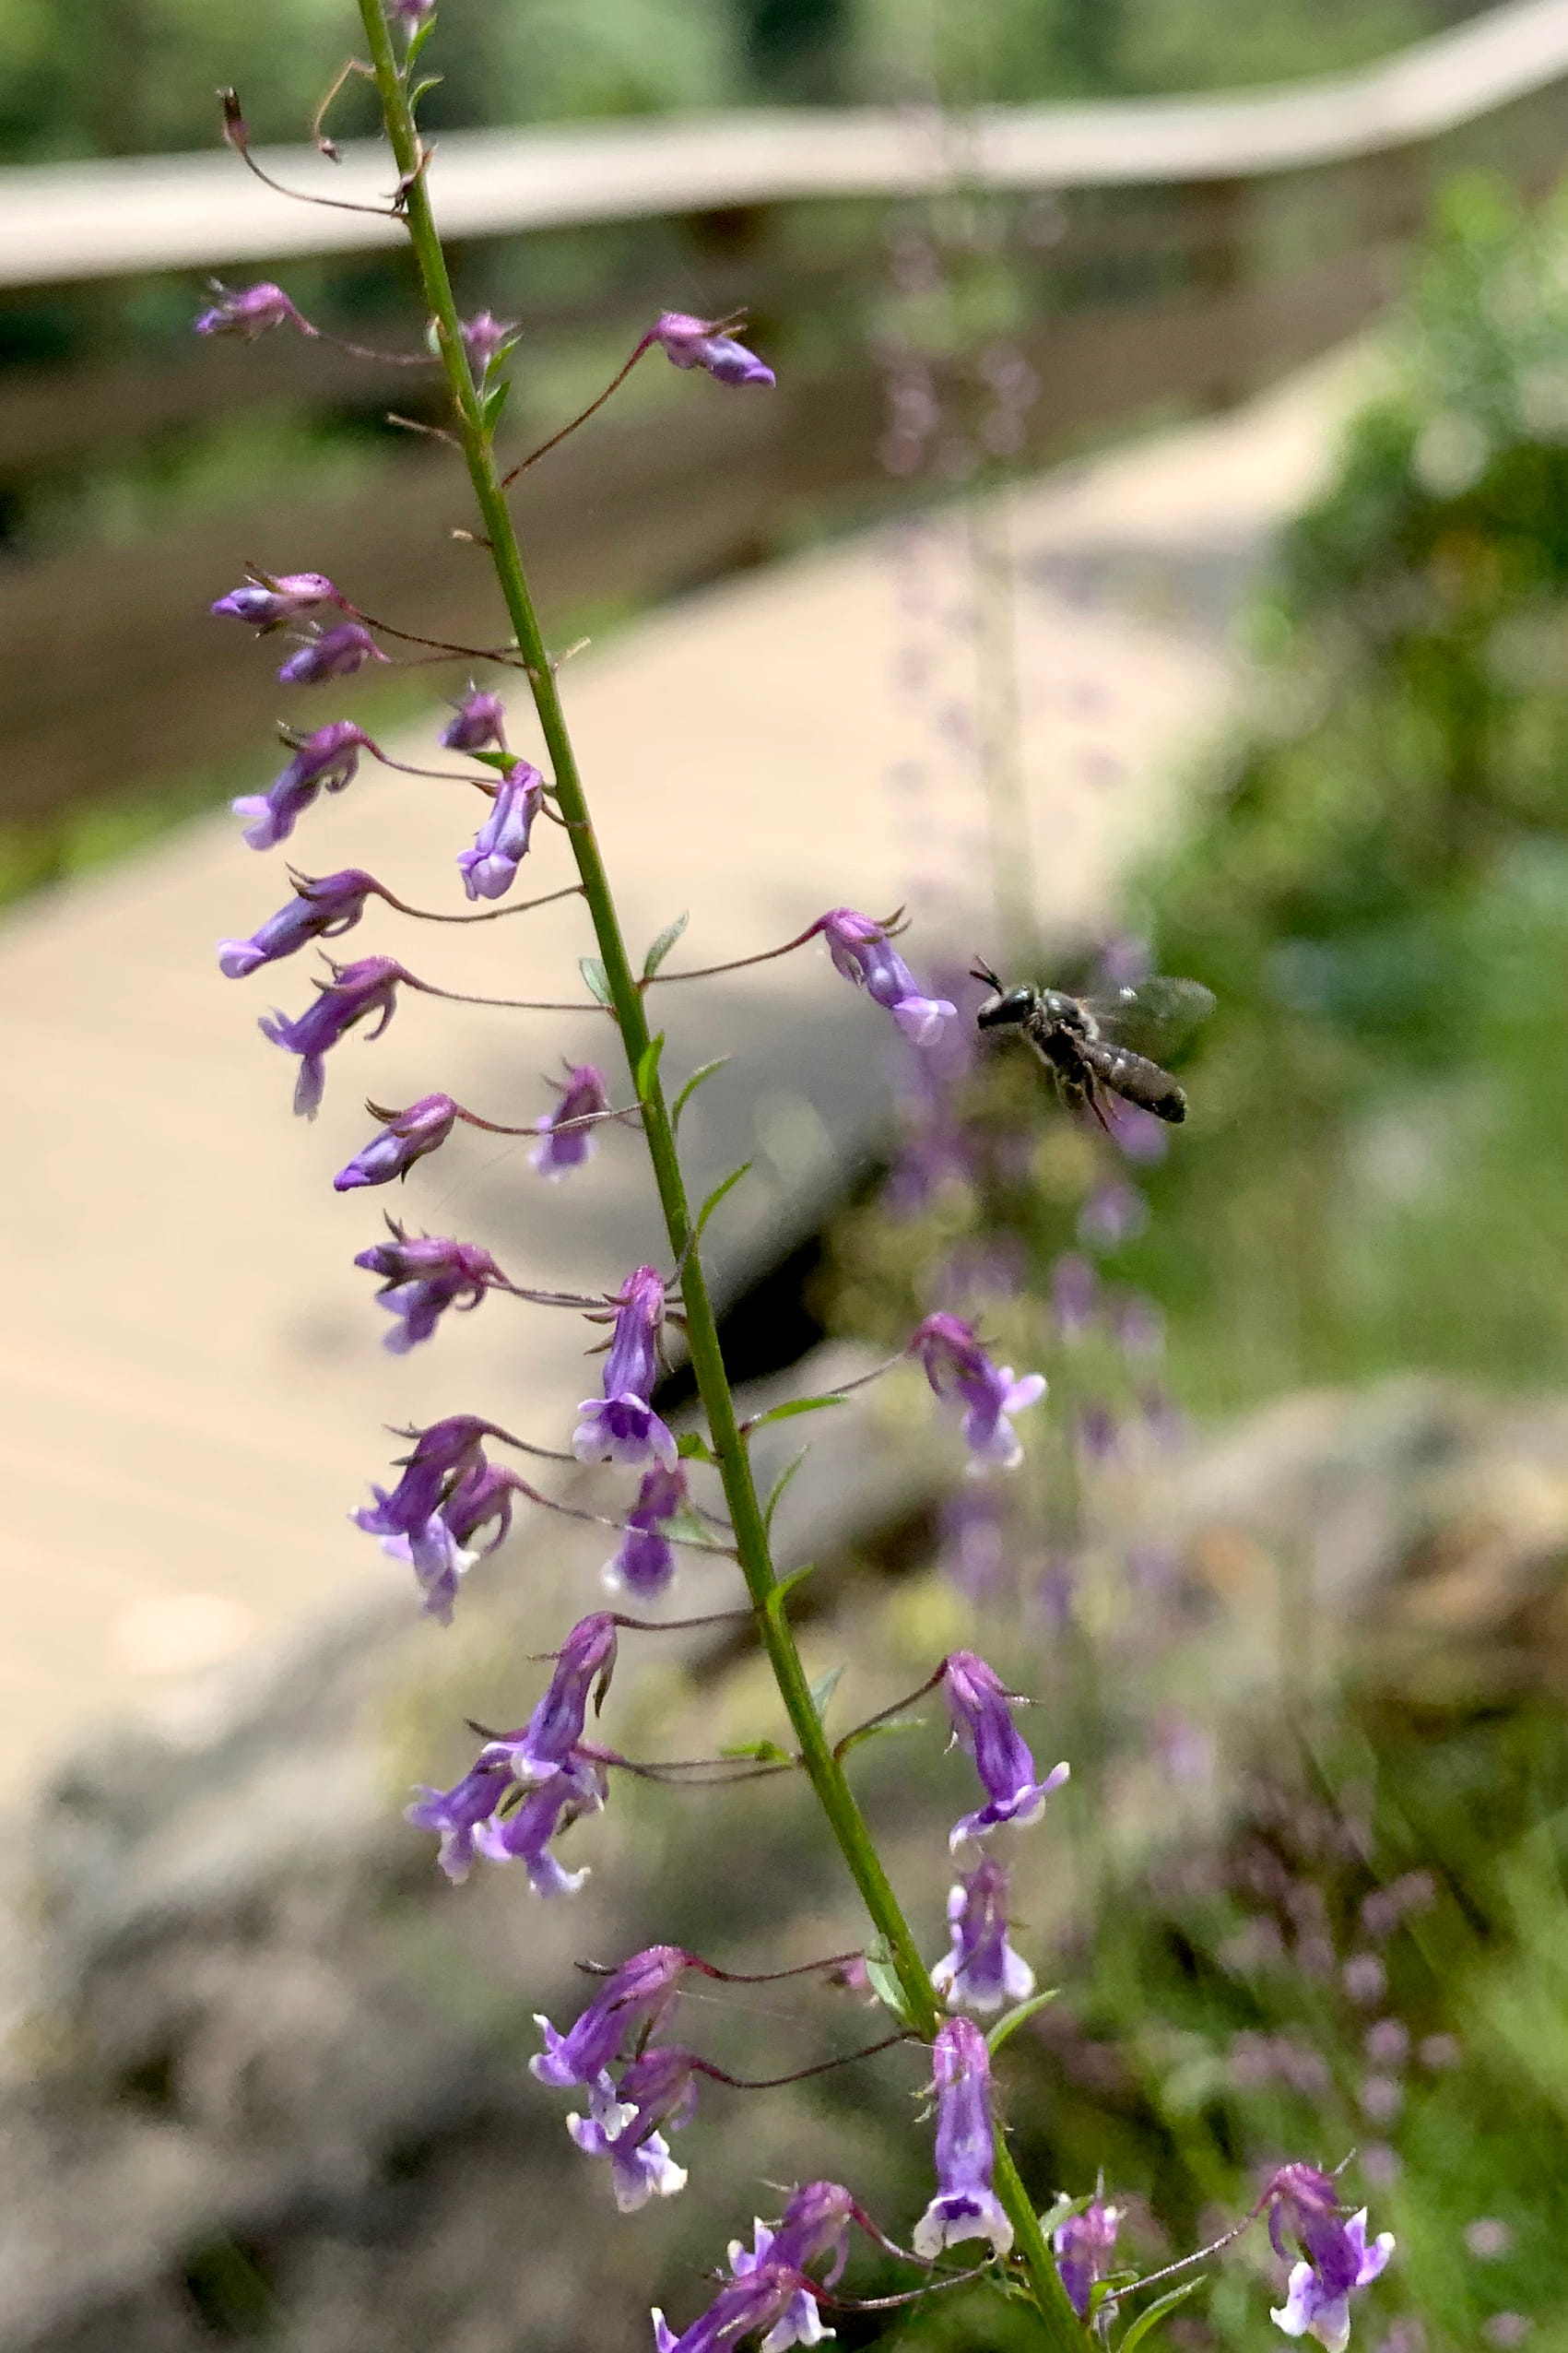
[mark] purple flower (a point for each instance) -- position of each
(584, 1094)
(438, 1550)
(862, 951)
(405, 1138)
(421, 1278)
(523, 1836)
(815, 2224)
(485, 337)
(1084, 2247)
(764, 2299)
(695, 343)
(409, 15)
(354, 992)
(266, 604)
(444, 1457)
(980, 1708)
(981, 1971)
(328, 758)
(623, 2120)
(455, 1814)
(332, 653)
(323, 907)
(481, 721)
(1305, 2209)
(490, 869)
(622, 1427)
(645, 1563)
(627, 2006)
(249, 311)
(957, 1365)
(965, 2206)
(585, 1664)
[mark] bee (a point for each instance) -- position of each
(1079, 1040)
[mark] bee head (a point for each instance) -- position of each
(1007, 1009)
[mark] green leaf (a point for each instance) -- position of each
(787, 1585)
(1154, 2315)
(786, 1413)
(775, 1499)
(692, 1446)
(872, 1731)
(417, 43)
(422, 90)
(693, 1083)
(717, 1196)
(663, 945)
(759, 1752)
(822, 1691)
(595, 979)
(1017, 2016)
(495, 401)
(885, 1985)
(1063, 2210)
(504, 761)
(648, 1066)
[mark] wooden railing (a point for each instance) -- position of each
(1167, 252)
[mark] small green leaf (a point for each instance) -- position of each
(595, 979)
(504, 761)
(1154, 2315)
(692, 1446)
(822, 1691)
(495, 401)
(759, 1752)
(693, 1083)
(422, 90)
(417, 43)
(1063, 2210)
(885, 1985)
(1015, 2017)
(717, 1196)
(874, 1732)
(775, 1499)
(648, 1066)
(663, 945)
(786, 1413)
(787, 1585)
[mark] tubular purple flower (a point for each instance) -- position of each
(445, 1457)
(523, 1836)
(1083, 2246)
(1305, 2209)
(249, 312)
(490, 869)
(585, 1664)
(485, 337)
(424, 1276)
(965, 2206)
(980, 1708)
(814, 2224)
(646, 1562)
(584, 1092)
(981, 1971)
(479, 721)
(758, 2301)
(267, 604)
(323, 907)
(622, 1427)
(623, 2121)
(328, 758)
(862, 951)
(628, 2006)
(957, 1365)
(354, 992)
(407, 1137)
(334, 653)
(438, 1552)
(696, 343)
(455, 1815)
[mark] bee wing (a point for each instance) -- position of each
(1155, 1017)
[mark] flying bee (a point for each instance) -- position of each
(1078, 1038)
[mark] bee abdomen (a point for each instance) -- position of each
(1136, 1079)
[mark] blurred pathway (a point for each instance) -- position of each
(191, 1392)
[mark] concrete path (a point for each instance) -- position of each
(191, 1388)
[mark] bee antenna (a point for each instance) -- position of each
(984, 972)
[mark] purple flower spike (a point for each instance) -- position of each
(1084, 2247)
(454, 1814)
(328, 758)
(628, 2006)
(322, 908)
(957, 1365)
(623, 2124)
(622, 1427)
(447, 1454)
(407, 1137)
(980, 1708)
(584, 1093)
(981, 1971)
(1305, 2209)
(485, 337)
(490, 869)
(354, 992)
(523, 1836)
(646, 1564)
(421, 1278)
(336, 653)
(267, 604)
(481, 721)
(694, 343)
(965, 2206)
(249, 312)
(862, 951)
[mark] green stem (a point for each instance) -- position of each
(827, 1781)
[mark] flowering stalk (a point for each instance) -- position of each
(1059, 2323)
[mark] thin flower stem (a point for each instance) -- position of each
(491, 915)
(581, 419)
(502, 1004)
(798, 2074)
(1059, 2325)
